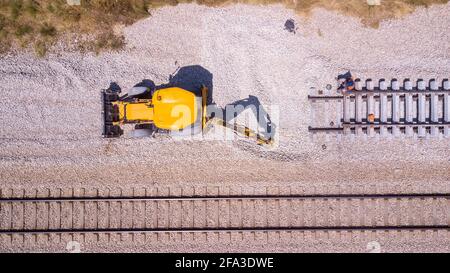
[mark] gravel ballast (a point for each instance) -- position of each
(51, 111)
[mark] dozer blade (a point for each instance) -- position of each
(110, 115)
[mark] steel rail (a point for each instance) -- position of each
(224, 197)
(229, 229)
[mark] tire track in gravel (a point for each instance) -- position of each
(57, 112)
(71, 79)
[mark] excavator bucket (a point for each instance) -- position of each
(110, 114)
(244, 131)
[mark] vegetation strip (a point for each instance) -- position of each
(40, 23)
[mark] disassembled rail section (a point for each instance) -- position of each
(387, 109)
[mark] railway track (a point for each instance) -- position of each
(224, 214)
(421, 110)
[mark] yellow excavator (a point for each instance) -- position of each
(171, 109)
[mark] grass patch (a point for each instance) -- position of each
(23, 30)
(38, 23)
(108, 40)
(48, 30)
(40, 48)
(31, 7)
(370, 15)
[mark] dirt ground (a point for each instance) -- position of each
(51, 123)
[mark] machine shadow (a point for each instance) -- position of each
(261, 115)
(191, 78)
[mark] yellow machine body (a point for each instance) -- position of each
(174, 108)
(135, 112)
(171, 108)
